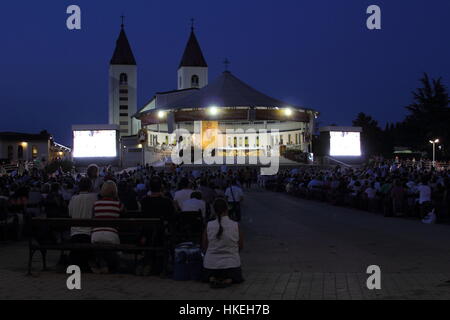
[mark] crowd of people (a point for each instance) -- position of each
(144, 191)
(394, 188)
(391, 187)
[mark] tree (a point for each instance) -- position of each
(371, 137)
(429, 115)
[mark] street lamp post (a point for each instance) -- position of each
(433, 142)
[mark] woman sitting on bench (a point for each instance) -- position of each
(108, 207)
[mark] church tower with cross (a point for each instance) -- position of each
(193, 70)
(123, 86)
(225, 104)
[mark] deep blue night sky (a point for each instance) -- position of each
(318, 54)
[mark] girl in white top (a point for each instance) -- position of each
(222, 241)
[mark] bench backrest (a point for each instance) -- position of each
(191, 217)
(112, 223)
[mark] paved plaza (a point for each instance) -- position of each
(294, 249)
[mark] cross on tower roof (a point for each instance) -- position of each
(123, 54)
(192, 56)
(226, 63)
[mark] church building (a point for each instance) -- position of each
(224, 103)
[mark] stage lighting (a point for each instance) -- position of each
(161, 114)
(213, 110)
(288, 112)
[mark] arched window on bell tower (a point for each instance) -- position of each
(123, 80)
(194, 81)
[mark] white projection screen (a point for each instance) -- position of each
(94, 144)
(345, 143)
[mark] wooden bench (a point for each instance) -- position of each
(134, 225)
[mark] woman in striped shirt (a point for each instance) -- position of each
(107, 207)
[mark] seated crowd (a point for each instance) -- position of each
(387, 187)
(145, 193)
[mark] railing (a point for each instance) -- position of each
(338, 162)
(427, 165)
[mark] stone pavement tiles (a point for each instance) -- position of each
(294, 249)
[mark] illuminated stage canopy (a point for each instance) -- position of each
(231, 104)
(225, 99)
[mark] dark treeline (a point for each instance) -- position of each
(428, 119)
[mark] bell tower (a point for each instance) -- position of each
(123, 86)
(193, 70)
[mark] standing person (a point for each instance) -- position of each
(234, 197)
(34, 200)
(424, 191)
(385, 192)
(195, 203)
(184, 193)
(156, 205)
(93, 174)
(128, 196)
(398, 195)
(17, 209)
(81, 206)
(141, 189)
(54, 204)
(248, 178)
(220, 193)
(108, 207)
(8, 221)
(68, 191)
(208, 194)
(371, 194)
(222, 241)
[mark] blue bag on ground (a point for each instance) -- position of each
(188, 262)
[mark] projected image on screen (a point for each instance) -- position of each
(345, 143)
(94, 144)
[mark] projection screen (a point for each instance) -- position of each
(345, 143)
(94, 144)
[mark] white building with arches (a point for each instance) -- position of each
(227, 101)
